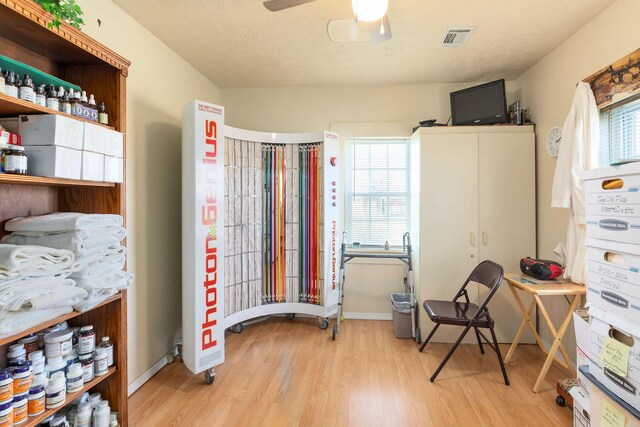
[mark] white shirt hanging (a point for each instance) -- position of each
(578, 153)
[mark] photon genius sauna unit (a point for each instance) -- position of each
(259, 226)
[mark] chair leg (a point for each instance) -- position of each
(433, 331)
(495, 343)
(453, 348)
(479, 340)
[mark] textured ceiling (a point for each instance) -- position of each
(238, 43)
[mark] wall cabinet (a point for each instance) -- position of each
(477, 202)
(71, 55)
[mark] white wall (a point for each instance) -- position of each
(160, 83)
(547, 90)
(303, 109)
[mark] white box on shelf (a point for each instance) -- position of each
(612, 203)
(582, 348)
(581, 407)
(111, 143)
(600, 401)
(51, 129)
(92, 166)
(92, 137)
(614, 278)
(113, 169)
(54, 161)
(603, 324)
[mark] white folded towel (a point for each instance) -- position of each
(116, 280)
(100, 263)
(40, 293)
(63, 221)
(81, 242)
(18, 321)
(119, 232)
(94, 299)
(19, 260)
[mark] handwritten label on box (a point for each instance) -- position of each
(615, 356)
(611, 417)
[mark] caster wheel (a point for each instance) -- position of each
(418, 337)
(335, 332)
(237, 328)
(560, 400)
(323, 324)
(210, 376)
(291, 316)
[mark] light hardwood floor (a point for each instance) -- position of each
(290, 373)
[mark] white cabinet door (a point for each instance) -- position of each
(449, 220)
(507, 219)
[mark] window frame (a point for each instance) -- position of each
(606, 126)
(350, 194)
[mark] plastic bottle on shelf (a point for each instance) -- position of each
(102, 414)
(15, 160)
(17, 354)
(103, 117)
(41, 98)
(56, 391)
(20, 409)
(65, 104)
(52, 98)
(6, 414)
(1, 81)
(26, 89)
(83, 416)
(93, 109)
(37, 361)
(11, 84)
(36, 400)
(74, 378)
(106, 343)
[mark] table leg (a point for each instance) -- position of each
(567, 365)
(525, 321)
(557, 341)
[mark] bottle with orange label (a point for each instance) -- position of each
(6, 414)
(6, 386)
(22, 379)
(36, 400)
(20, 409)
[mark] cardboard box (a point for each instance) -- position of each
(112, 143)
(613, 282)
(92, 138)
(92, 166)
(605, 324)
(581, 328)
(113, 169)
(54, 161)
(612, 203)
(581, 407)
(600, 401)
(51, 129)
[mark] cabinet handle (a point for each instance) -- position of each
(485, 238)
(472, 238)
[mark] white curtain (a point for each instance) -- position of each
(578, 153)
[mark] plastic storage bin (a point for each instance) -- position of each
(401, 303)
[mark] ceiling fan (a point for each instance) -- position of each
(371, 21)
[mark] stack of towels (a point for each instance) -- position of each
(95, 241)
(35, 286)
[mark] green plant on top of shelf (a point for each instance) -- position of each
(62, 10)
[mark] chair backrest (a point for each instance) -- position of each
(488, 274)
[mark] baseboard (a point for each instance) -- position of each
(367, 316)
(146, 376)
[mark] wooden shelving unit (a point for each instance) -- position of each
(75, 57)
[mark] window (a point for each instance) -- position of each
(377, 191)
(620, 132)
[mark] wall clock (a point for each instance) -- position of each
(554, 137)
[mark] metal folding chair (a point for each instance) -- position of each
(467, 314)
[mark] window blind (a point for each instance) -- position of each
(377, 193)
(620, 132)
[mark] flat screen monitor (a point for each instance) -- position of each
(479, 105)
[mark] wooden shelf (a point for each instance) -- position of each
(54, 182)
(10, 106)
(15, 337)
(34, 421)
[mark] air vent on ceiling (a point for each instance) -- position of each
(457, 36)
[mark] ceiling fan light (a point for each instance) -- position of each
(369, 10)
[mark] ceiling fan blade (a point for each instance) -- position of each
(276, 5)
(380, 30)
